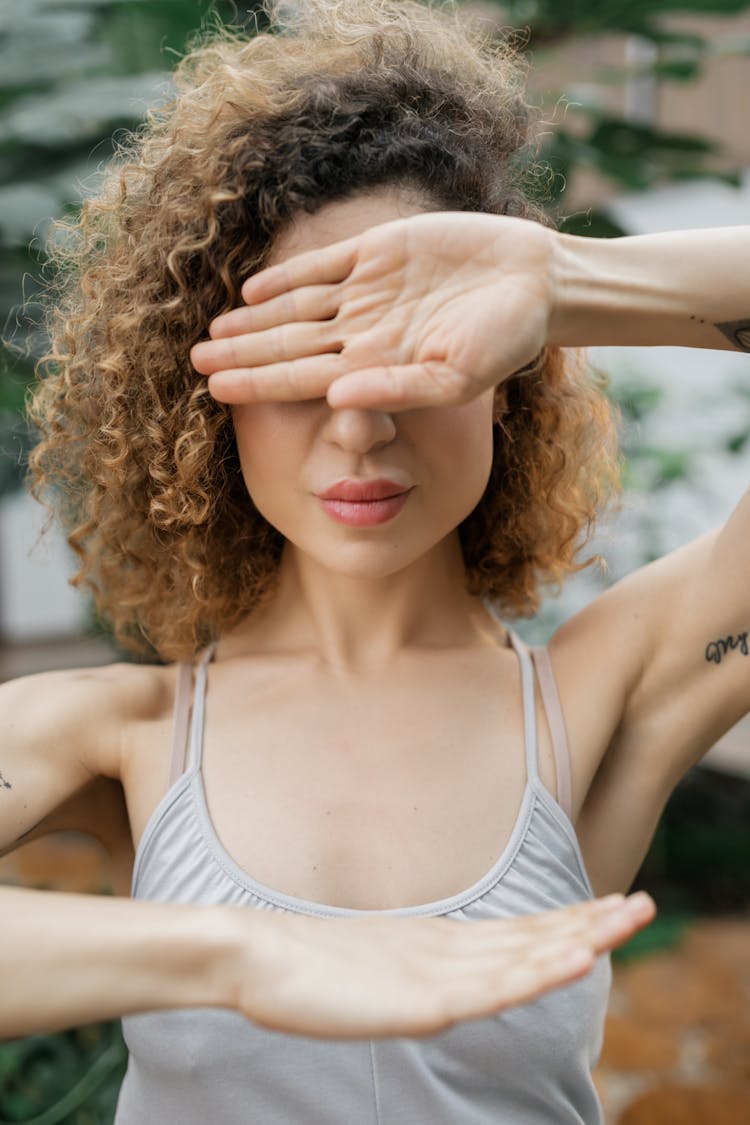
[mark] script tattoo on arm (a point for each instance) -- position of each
(716, 649)
(738, 331)
(3, 783)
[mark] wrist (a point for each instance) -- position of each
(207, 966)
(670, 288)
(595, 293)
(224, 954)
(240, 965)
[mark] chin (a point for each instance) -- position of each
(369, 561)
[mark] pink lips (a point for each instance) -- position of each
(364, 503)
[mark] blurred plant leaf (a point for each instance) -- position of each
(593, 223)
(550, 20)
(81, 111)
(737, 442)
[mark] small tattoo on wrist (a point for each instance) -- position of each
(716, 649)
(3, 783)
(738, 331)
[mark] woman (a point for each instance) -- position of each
(336, 553)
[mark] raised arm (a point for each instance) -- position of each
(680, 626)
(689, 288)
(684, 619)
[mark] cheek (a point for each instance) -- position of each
(265, 454)
(265, 440)
(463, 443)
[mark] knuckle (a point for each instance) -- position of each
(331, 335)
(278, 340)
(447, 1006)
(451, 937)
(232, 355)
(291, 381)
(288, 306)
(247, 388)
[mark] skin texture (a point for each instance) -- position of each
(418, 310)
(366, 587)
(364, 616)
(642, 701)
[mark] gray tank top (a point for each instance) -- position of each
(529, 1065)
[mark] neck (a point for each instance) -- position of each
(358, 625)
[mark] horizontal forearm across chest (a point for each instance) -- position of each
(72, 959)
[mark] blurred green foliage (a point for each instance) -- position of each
(71, 1078)
(72, 74)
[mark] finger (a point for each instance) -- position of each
(278, 382)
(408, 387)
(612, 929)
(605, 931)
(585, 908)
(275, 345)
(604, 925)
(555, 967)
(592, 924)
(333, 263)
(505, 983)
(564, 919)
(586, 911)
(315, 303)
(519, 976)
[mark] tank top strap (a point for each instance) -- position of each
(556, 722)
(529, 710)
(181, 717)
(195, 751)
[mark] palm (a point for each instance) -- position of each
(442, 307)
(424, 311)
(374, 976)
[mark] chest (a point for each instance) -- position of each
(402, 792)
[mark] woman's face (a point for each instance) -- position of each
(291, 452)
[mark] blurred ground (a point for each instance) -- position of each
(677, 1039)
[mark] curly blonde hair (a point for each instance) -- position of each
(135, 456)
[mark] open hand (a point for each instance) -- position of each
(430, 310)
(375, 976)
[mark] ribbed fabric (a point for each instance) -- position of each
(530, 1065)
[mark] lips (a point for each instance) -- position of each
(362, 491)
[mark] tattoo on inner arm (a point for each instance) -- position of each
(3, 783)
(716, 649)
(738, 331)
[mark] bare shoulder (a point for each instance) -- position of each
(86, 710)
(61, 739)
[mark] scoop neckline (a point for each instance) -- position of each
(437, 906)
(447, 905)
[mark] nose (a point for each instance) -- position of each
(358, 431)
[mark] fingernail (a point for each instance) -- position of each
(640, 898)
(612, 900)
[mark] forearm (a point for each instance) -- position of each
(73, 959)
(690, 288)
